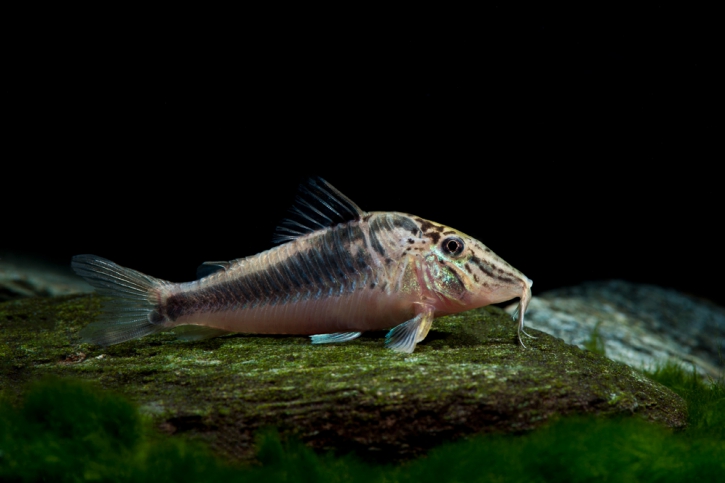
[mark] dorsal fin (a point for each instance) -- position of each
(318, 205)
(207, 268)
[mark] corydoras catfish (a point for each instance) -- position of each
(339, 271)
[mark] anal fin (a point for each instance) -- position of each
(336, 337)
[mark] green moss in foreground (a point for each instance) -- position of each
(71, 431)
(705, 401)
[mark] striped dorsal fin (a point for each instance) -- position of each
(318, 205)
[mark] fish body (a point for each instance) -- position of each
(339, 272)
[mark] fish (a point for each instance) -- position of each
(336, 272)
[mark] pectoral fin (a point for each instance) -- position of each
(404, 337)
(336, 337)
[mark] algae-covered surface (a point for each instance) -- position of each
(470, 376)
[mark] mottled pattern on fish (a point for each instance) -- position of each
(341, 272)
(327, 264)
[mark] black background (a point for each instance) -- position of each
(578, 145)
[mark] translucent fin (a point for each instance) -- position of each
(131, 311)
(424, 327)
(318, 206)
(207, 268)
(404, 337)
(336, 337)
(197, 332)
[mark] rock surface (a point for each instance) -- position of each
(22, 277)
(469, 376)
(640, 325)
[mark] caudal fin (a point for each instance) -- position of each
(130, 311)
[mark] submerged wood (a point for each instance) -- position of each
(470, 376)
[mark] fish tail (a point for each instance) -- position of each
(132, 308)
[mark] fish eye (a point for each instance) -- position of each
(453, 245)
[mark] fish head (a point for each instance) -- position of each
(462, 273)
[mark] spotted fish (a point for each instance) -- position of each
(337, 272)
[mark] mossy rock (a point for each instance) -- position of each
(469, 376)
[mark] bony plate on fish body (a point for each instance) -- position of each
(337, 272)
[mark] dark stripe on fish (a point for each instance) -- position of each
(274, 287)
(407, 224)
(488, 270)
(356, 233)
(335, 262)
(253, 291)
(458, 279)
(334, 258)
(176, 306)
(430, 230)
(485, 267)
(316, 280)
(327, 261)
(319, 262)
(356, 241)
(290, 277)
(363, 259)
(298, 260)
(375, 230)
(344, 246)
(155, 317)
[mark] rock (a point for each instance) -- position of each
(637, 324)
(23, 277)
(469, 376)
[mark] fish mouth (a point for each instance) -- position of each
(529, 282)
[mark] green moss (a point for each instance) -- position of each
(469, 376)
(596, 342)
(575, 449)
(705, 400)
(70, 431)
(64, 430)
